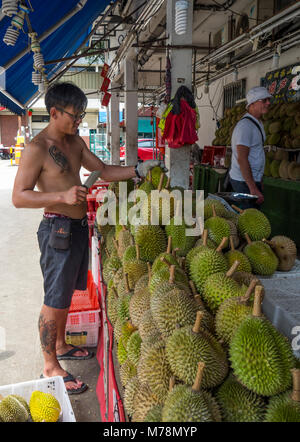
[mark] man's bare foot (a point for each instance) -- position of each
(72, 384)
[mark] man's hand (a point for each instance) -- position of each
(254, 191)
(143, 168)
(75, 196)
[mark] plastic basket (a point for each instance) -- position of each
(82, 328)
(54, 385)
(85, 300)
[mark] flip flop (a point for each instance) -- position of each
(69, 355)
(70, 378)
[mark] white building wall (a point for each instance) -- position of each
(252, 73)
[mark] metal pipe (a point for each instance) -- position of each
(271, 26)
(49, 31)
(7, 94)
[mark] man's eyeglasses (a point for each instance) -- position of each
(264, 100)
(75, 117)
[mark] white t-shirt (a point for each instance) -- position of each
(247, 134)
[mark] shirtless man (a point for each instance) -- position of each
(52, 163)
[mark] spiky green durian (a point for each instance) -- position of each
(131, 388)
(190, 344)
(261, 257)
(285, 407)
(219, 208)
(134, 347)
(261, 357)
(154, 369)
(180, 240)
(255, 224)
(112, 305)
(190, 403)
(218, 228)
(129, 254)
(204, 264)
(144, 400)
(154, 414)
(127, 371)
(151, 240)
(238, 404)
(139, 302)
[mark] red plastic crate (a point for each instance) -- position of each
(85, 300)
(211, 152)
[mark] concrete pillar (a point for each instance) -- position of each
(178, 160)
(131, 109)
(114, 125)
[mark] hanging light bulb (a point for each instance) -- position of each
(235, 74)
(9, 7)
(181, 10)
(275, 59)
(17, 23)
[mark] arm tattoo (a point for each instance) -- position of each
(59, 157)
(48, 333)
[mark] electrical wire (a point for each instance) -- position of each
(236, 13)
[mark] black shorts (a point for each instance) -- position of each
(64, 270)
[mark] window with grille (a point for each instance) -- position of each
(233, 92)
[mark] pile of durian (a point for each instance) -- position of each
(282, 125)
(227, 124)
(191, 340)
(277, 165)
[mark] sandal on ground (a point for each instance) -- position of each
(70, 378)
(69, 355)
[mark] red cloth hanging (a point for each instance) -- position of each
(180, 129)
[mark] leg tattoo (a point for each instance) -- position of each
(48, 333)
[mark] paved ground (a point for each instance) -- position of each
(21, 297)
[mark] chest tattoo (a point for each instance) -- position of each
(59, 158)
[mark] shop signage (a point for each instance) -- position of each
(105, 69)
(284, 83)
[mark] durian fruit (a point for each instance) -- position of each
(139, 302)
(118, 329)
(281, 155)
(44, 407)
(275, 127)
(154, 414)
(236, 255)
(245, 278)
(112, 264)
(125, 240)
(286, 251)
(151, 241)
(231, 313)
(14, 408)
(118, 276)
(131, 388)
(220, 209)
(262, 258)
(144, 280)
(253, 222)
(191, 403)
(180, 241)
(121, 350)
(283, 169)
(190, 344)
(220, 286)
(208, 320)
(159, 279)
(285, 407)
(112, 305)
(238, 404)
(129, 254)
(128, 370)
(156, 173)
(159, 263)
(135, 268)
(133, 347)
(147, 326)
(200, 245)
(217, 228)
(274, 168)
(147, 185)
(261, 357)
(154, 369)
(294, 171)
(124, 300)
(206, 263)
(172, 308)
(144, 399)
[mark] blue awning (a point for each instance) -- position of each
(61, 43)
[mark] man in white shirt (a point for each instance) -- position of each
(247, 143)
